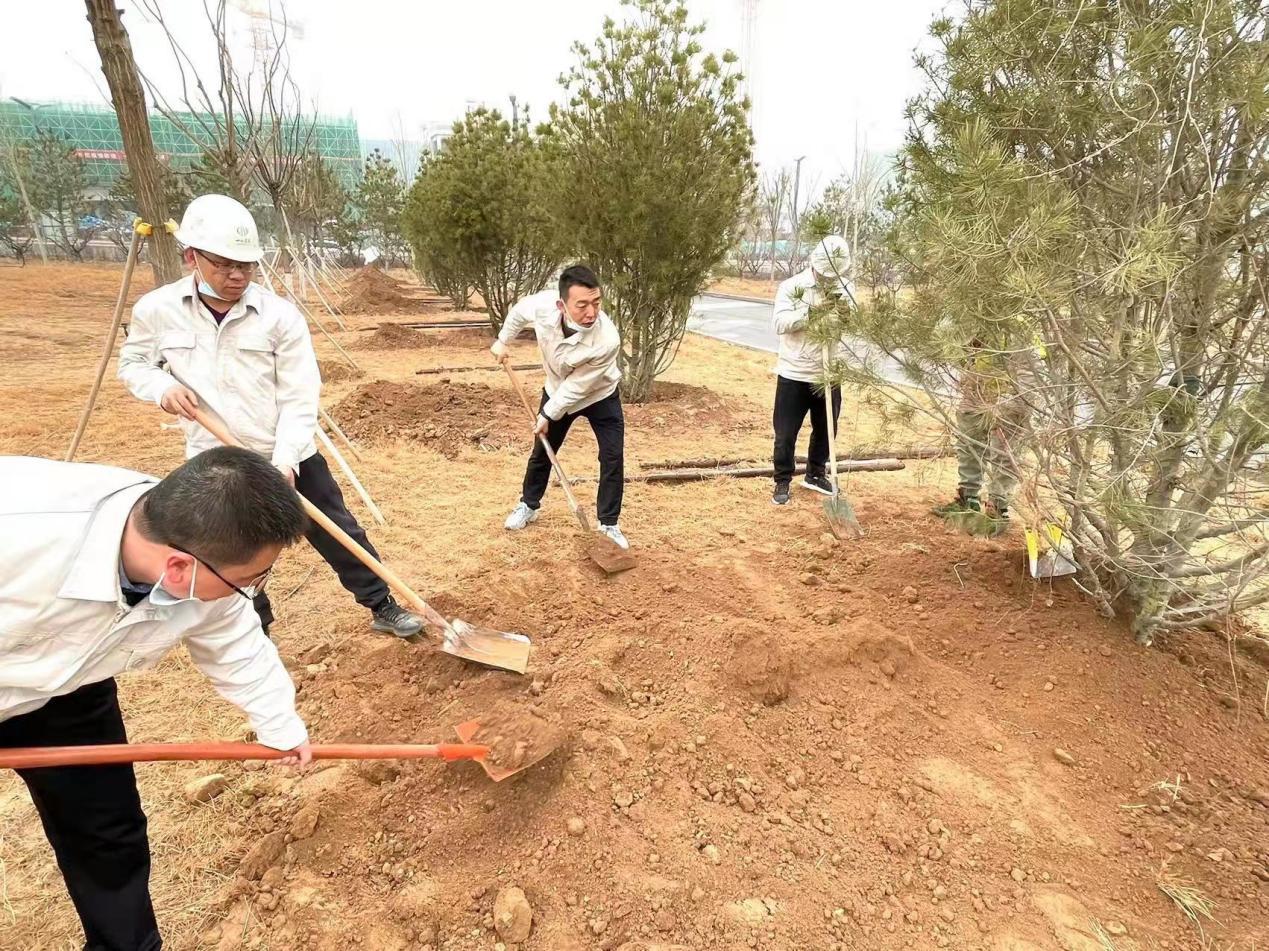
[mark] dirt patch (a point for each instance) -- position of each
(371, 291)
(392, 337)
(337, 371)
(447, 417)
(776, 740)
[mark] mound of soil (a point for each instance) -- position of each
(371, 291)
(684, 403)
(447, 417)
(336, 371)
(392, 337)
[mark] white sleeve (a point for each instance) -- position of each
(244, 667)
(790, 313)
(139, 357)
(299, 389)
(519, 318)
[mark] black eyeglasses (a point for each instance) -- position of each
(248, 591)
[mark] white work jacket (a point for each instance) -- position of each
(256, 369)
(798, 358)
(64, 622)
(581, 369)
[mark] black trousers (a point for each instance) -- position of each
(316, 484)
(609, 426)
(792, 401)
(92, 817)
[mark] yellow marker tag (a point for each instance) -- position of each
(1033, 550)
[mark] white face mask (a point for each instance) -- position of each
(161, 597)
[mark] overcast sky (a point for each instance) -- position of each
(822, 68)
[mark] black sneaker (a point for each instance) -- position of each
(391, 618)
(781, 494)
(817, 483)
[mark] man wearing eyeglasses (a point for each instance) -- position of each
(104, 571)
(218, 336)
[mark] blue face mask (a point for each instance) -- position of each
(161, 597)
(203, 287)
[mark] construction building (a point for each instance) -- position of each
(93, 131)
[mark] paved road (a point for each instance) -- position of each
(736, 321)
(749, 323)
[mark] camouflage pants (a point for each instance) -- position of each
(988, 444)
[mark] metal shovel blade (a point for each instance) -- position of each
(517, 758)
(484, 645)
(610, 556)
(841, 518)
(583, 519)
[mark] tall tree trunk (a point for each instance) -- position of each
(120, 69)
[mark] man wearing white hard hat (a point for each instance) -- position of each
(800, 367)
(217, 336)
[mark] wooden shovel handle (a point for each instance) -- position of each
(32, 757)
(390, 577)
(550, 453)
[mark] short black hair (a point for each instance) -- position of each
(577, 275)
(223, 506)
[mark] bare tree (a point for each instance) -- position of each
(210, 116)
(773, 194)
(120, 69)
(270, 103)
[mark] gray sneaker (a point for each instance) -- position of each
(391, 618)
(520, 517)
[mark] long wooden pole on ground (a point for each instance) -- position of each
(700, 475)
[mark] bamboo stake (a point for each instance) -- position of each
(320, 326)
(139, 231)
(360, 489)
(700, 475)
(330, 421)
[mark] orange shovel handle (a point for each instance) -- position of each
(31, 757)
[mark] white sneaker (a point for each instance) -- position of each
(614, 535)
(520, 517)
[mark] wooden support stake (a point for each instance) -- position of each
(360, 489)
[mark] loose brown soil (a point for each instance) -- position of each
(773, 740)
(391, 337)
(338, 370)
(371, 291)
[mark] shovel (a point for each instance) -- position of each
(602, 551)
(841, 514)
(36, 757)
(1058, 560)
(479, 644)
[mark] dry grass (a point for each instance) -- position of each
(1195, 905)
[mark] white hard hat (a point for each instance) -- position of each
(831, 257)
(220, 225)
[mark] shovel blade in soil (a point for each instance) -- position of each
(484, 645)
(493, 769)
(610, 556)
(583, 519)
(841, 518)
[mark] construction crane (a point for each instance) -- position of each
(748, 54)
(266, 27)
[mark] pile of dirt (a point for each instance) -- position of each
(392, 337)
(337, 371)
(683, 404)
(371, 291)
(445, 416)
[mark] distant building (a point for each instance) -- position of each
(93, 131)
